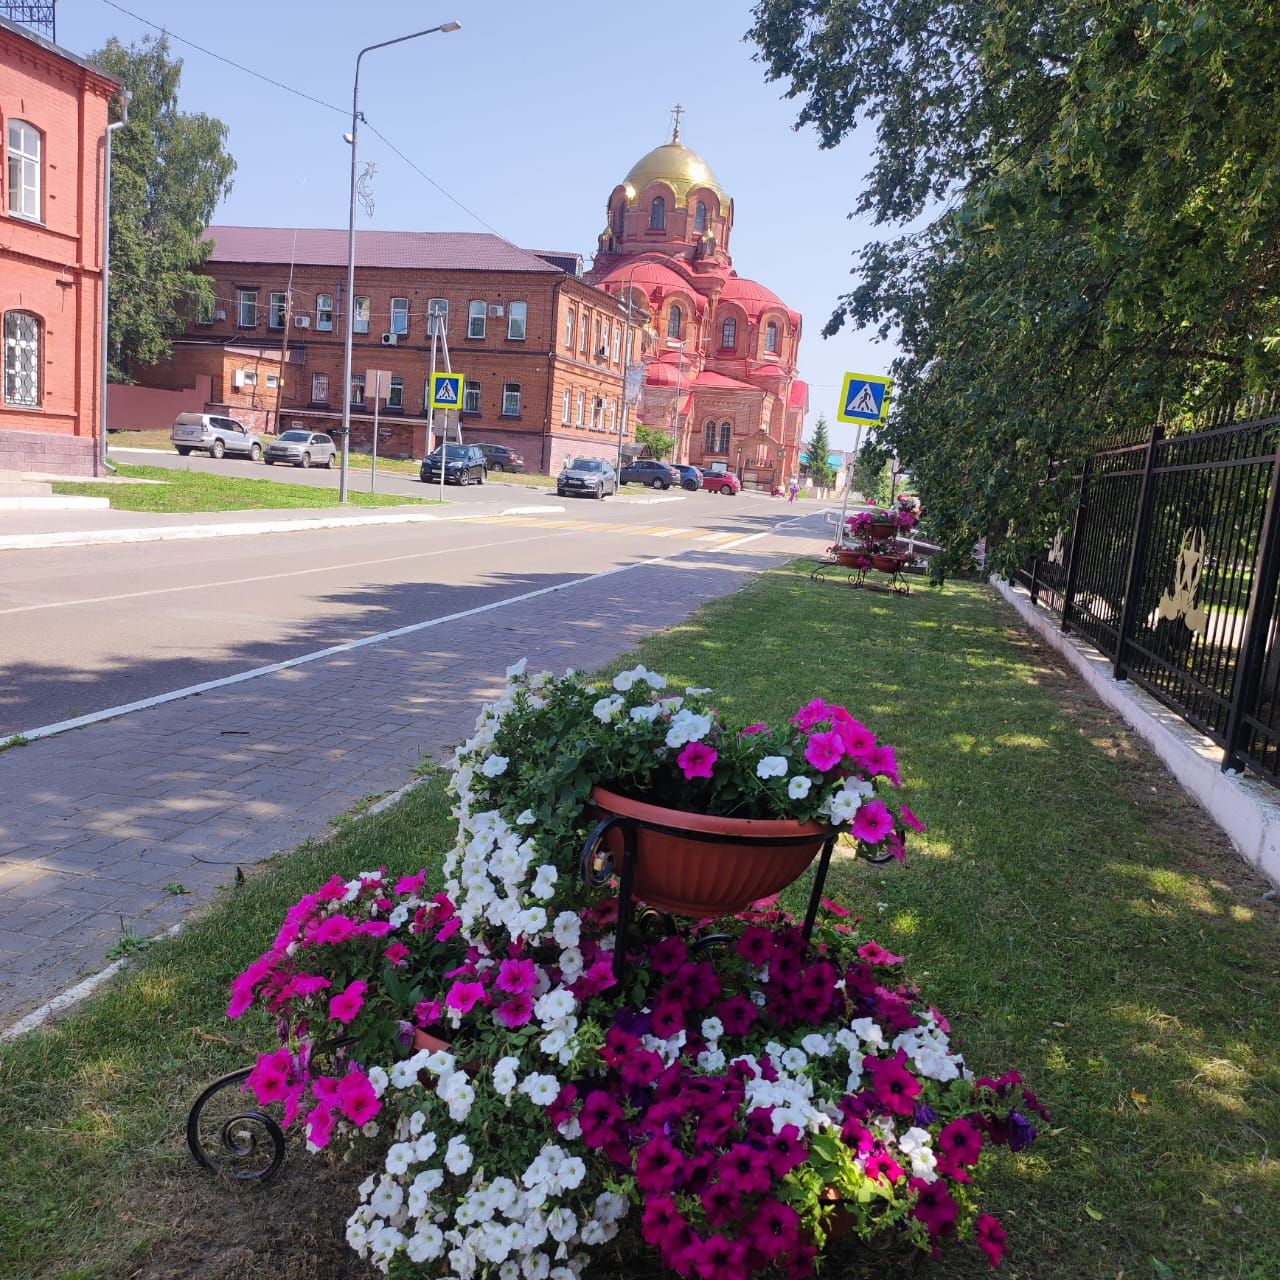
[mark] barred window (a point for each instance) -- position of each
(21, 359)
(471, 396)
(510, 399)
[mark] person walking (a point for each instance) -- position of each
(795, 489)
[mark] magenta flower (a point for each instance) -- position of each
(697, 759)
(464, 996)
(774, 1229)
(333, 889)
(516, 1011)
(411, 884)
(348, 1003)
(882, 761)
(824, 750)
(658, 1166)
(961, 1142)
(745, 1169)
(334, 929)
(374, 928)
(397, 953)
(855, 735)
(874, 953)
(753, 728)
(872, 822)
(880, 1164)
(269, 1078)
(895, 1087)
(991, 1237)
(515, 977)
(319, 1125)
(356, 1097)
(812, 713)
(739, 1015)
(721, 1259)
(427, 1012)
(934, 1206)
(909, 819)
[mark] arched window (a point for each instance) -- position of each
(658, 214)
(21, 359)
(700, 216)
(25, 169)
(726, 431)
(729, 333)
(619, 218)
(709, 441)
(771, 337)
(675, 320)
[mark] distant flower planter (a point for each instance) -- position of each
(852, 557)
(701, 865)
(880, 530)
(887, 564)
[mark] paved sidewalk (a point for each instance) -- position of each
(95, 822)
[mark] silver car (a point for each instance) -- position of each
(587, 477)
(213, 435)
(303, 449)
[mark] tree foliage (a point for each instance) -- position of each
(819, 451)
(660, 442)
(1093, 196)
(871, 475)
(169, 169)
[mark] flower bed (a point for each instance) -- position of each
(728, 1105)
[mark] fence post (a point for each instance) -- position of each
(1138, 551)
(1035, 580)
(1077, 537)
(1248, 675)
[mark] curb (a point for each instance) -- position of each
(187, 532)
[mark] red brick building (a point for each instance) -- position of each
(53, 119)
(541, 350)
(721, 367)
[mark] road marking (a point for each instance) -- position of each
(143, 704)
(266, 577)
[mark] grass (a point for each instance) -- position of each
(1071, 912)
(203, 491)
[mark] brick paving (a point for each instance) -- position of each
(95, 822)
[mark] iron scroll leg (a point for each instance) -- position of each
(238, 1136)
(598, 865)
(819, 883)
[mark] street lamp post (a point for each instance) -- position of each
(675, 417)
(626, 368)
(104, 415)
(351, 245)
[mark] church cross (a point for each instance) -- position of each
(677, 111)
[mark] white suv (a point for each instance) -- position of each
(213, 435)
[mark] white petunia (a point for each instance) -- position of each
(495, 766)
(712, 1029)
(379, 1080)
(624, 680)
(388, 1198)
(525, 818)
(795, 1060)
(426, 1244)
(457, 1156)
(799, 787)
(607, 708)
(772, 767)
(816, 1045)
(399, 1157)
(504, 1076)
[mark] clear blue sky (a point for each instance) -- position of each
(529, 116)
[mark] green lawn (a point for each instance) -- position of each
(204, 491)
(1070, 911)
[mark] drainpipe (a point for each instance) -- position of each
(106, 269)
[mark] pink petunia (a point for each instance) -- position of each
(516, 977)
(335, 929)
(396, 954)
(411, 884)
(873, 822)
(269, 1078)
(874, 953)
(697, 760)
(824, 750)
(934, 1206)
(882, 762)
(909, 819)
(347, 1004)
(302, 985)
(464, 996)
(753, 728)
(356, 1097)
(991, 1237)
(812, 713)
(515, 1012)
(319, 1125)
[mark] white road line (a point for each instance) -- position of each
(110, 713)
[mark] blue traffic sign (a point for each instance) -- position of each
(446, 391)
(864, 397)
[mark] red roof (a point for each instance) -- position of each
(754, 298)
(718, 382)
(319, 247)
(648, 275)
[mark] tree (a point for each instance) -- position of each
(871, 476)
(1094, 193)
(169, 169)
(819, 451)
(660, 442)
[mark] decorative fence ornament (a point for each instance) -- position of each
(1180, 602)
(1057, 550)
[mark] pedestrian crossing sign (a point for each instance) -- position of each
(864, 398)
(446, 391)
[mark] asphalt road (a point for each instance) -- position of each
(88, 628)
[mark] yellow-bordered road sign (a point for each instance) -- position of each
(864, 397)
(446, 391)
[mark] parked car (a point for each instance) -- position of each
(587, 477)
(303, 449)
(690, 477)
(497, 457)
(213, 435)
(463, 464)
(658, 475)
(721, 482)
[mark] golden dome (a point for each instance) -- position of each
(677, 166)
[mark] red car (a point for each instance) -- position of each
(721, 482)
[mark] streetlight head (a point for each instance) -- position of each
(348, 139)
(451, 26)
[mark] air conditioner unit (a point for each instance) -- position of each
(237, 378)
(496, 309)
(302, 322)
(390, 339)
(219, 315)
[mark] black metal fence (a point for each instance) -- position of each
(1170, 569)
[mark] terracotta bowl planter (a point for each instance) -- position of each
(850, 557)
(887, 564)
(881, 529)
(698, 865)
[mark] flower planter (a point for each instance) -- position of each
(887, 564)
(882, 529)
(851, 557)
(700, 865)
(433, 1044)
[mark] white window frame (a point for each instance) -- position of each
(248, 377)
(510, 390)
(246, 298)
(471, 395)
(580, 420)
(360, 315)
(324, 313)
(23, 336)
(570, 317)
(394, 400)
(400, 317)
(357, 385)
(775, 329)
(617, 343)
(726, 332)
(567, 410)
(319, 388)
(277, 305)
(25, 151)
(273, 380)
(477, 309)
(584, 328)
(517, 318)
(438, 307)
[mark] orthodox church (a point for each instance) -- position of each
(720, 352)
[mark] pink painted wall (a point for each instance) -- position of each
(132, 408)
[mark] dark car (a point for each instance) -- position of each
(586, 477)
(498, 457)
(721, 482)
(464, 463)
(658, 475)
(690, 477)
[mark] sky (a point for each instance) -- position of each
(527, 117)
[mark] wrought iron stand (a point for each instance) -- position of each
(238, 1136)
